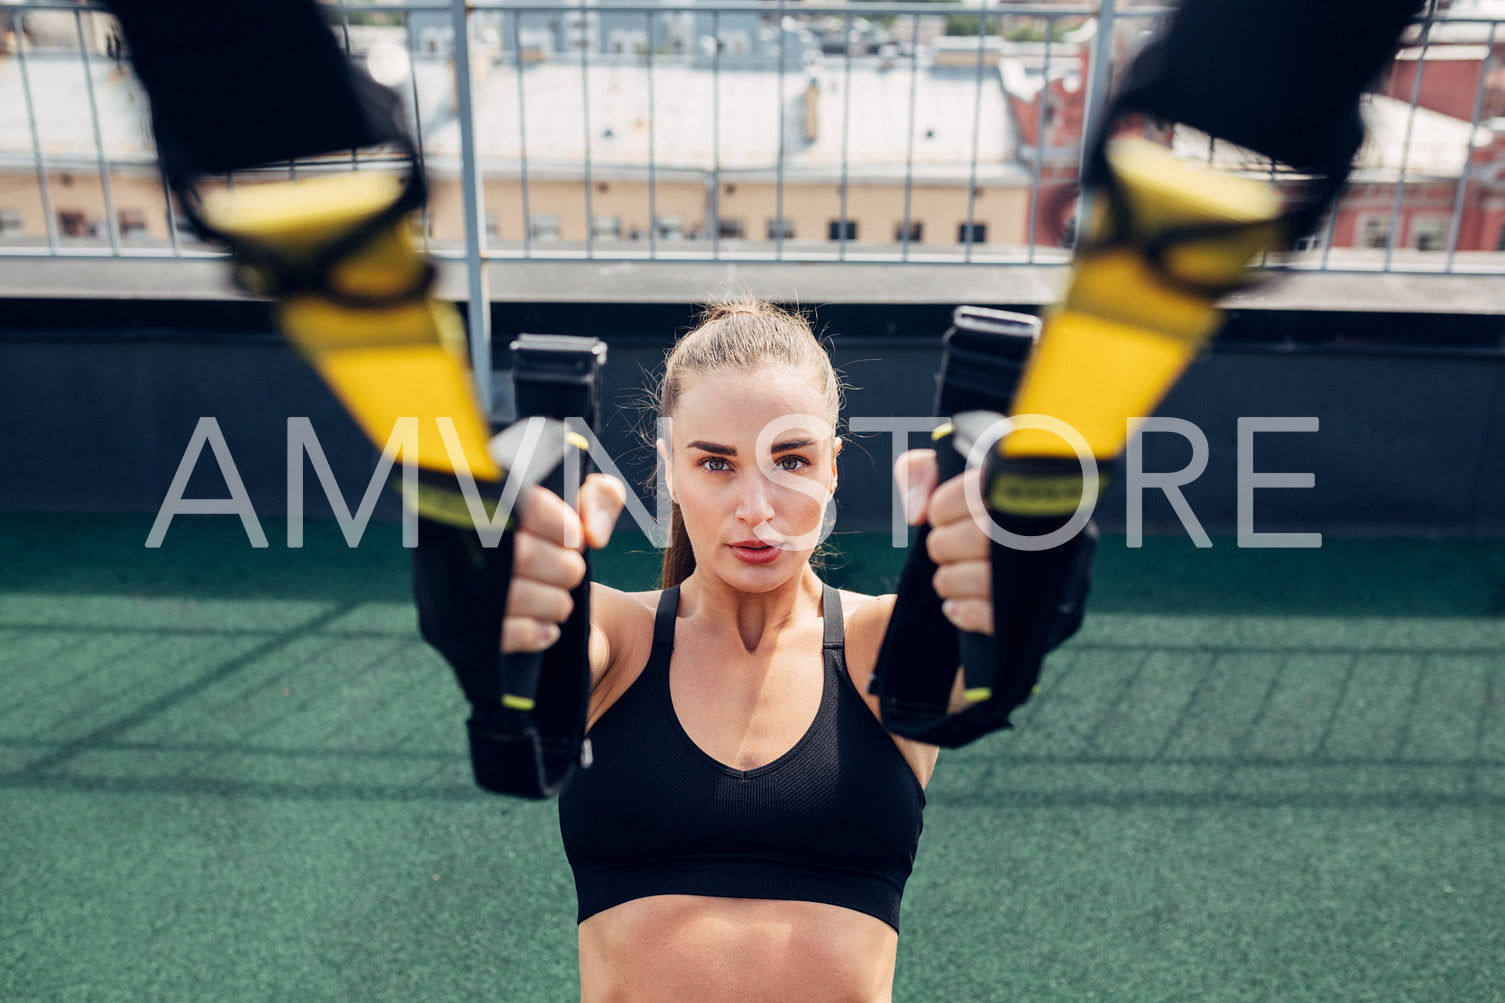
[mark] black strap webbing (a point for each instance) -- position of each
(239, 84)
(527, 726)
(1282, 78)
(1037, 595)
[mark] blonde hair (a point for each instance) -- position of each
(738, 336)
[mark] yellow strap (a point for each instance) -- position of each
(1123, 335)
(404, 361)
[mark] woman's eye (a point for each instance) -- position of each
(713, 463)
(792, 463)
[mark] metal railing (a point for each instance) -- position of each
(530, 162)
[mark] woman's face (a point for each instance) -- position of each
(752, 464)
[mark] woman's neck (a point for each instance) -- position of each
(755, 617)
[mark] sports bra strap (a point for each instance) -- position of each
(663, 619)
(830, 611)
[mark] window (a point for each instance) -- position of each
(783, 229)
(493, 226)
(182, 228)
(544, 227)
(132, 223)
(74, 224)
(736, 43)
(1314, 239)
(1068, 230)
(607, 227)
(421, 226)
(627, 41)
(670, 228)
(912, 234)
(843, 229)
(972, 233)
(1430, 233)
(1374, 231)
(730, 229)
(10, 222)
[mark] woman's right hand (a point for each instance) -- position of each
(547, 561)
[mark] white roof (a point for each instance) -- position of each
(1454, 24)
(1438, 144)
(1424, 143)
(60, 100)
(684, 117)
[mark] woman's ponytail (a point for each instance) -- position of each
(679, 556)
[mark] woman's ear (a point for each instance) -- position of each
(663, 455)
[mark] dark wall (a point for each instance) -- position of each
(100, 402)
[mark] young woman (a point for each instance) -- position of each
(747, 826)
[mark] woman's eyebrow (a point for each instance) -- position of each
(720, 450)
(711, 447)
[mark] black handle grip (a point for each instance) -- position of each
(520, 671)
(977, 650)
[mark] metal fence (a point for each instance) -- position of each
(727, 130)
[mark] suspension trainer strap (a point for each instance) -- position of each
(1037, 595)
(247, 85)
(1282, 79)
(528, 710)
(558, 376)
(242, 84)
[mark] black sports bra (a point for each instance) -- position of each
(836, 819)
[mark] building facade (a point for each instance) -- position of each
(746, 134)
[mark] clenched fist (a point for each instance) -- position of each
(547, 561)
(957, 543)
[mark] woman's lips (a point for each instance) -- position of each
(754, 552)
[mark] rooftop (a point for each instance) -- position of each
(686, 116)
(1416, 141)
(60, 90)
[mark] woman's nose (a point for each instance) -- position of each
(754, 507)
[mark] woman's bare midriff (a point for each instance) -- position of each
(690, 947)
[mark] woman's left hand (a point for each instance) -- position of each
(957, 543)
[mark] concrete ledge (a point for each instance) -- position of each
(807, 282)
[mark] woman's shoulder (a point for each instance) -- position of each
(623, 603)
(623, 615)
(864, 613)
(864, 619)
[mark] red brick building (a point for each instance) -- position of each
(1426, 180)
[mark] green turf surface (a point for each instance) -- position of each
(236, 774)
